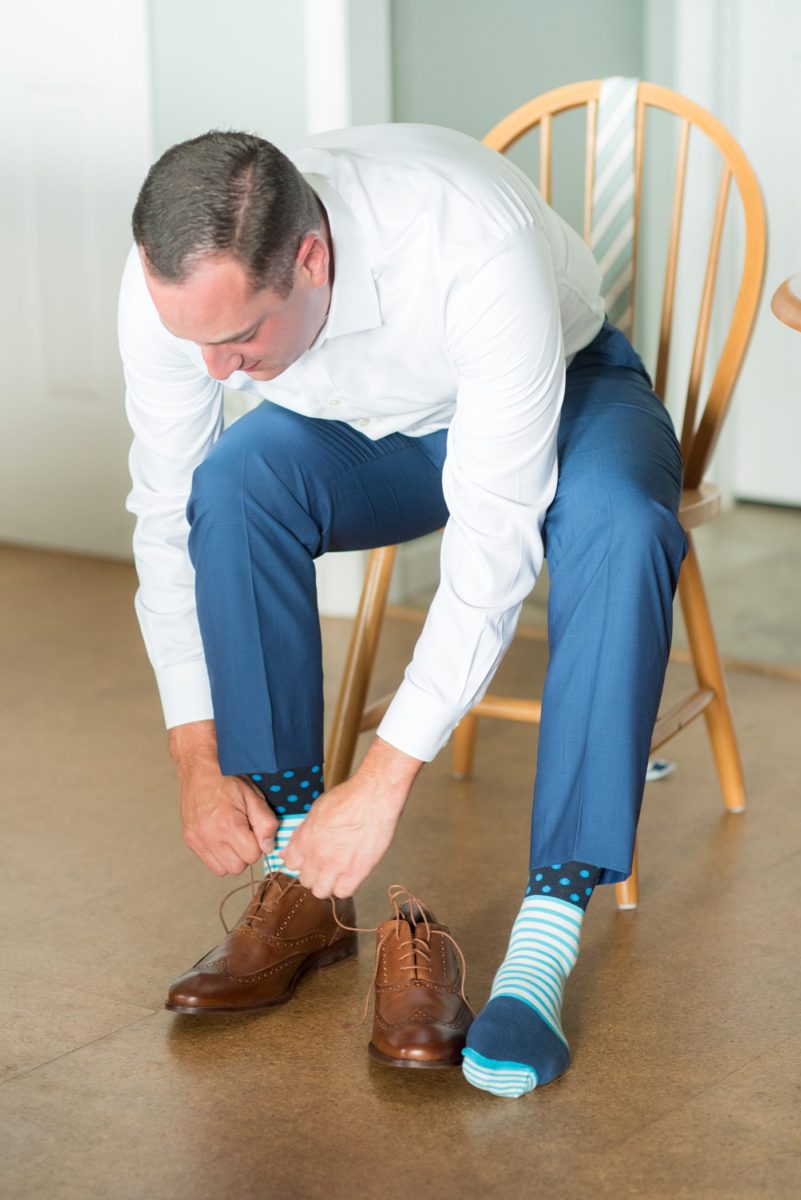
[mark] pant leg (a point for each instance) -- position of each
(614, 547)
(277, 490)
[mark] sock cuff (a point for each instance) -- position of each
(573, 882)
(563, 911)
(291, 790)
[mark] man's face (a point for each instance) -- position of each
(239, 328)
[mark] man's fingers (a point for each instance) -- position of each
(343, 887)
(321, 887)
(292, 856)
(232, 859)
(262, 820)
(240, 833)
(211, 861)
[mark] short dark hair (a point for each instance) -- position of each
(225, 191)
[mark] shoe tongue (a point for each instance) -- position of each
(268, 893)
(413, 927)
(416, 914)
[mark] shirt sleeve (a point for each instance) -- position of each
(504, 333)
(176, 413)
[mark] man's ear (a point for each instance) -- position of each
(313, 259)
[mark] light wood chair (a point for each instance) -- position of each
(700, 429)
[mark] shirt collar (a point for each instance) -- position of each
(354, 296)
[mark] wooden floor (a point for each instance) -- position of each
(683, 1016)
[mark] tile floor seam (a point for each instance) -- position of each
(76, 1049)
(701, 1092)
(70, 987)
(778, 862)
(78, 905)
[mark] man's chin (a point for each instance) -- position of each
(262, 374)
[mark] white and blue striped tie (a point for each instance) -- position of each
(612, 229)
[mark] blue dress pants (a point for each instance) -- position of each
(279, 488)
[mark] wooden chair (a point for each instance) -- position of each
(700, 429)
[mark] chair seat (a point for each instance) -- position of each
(699, 505)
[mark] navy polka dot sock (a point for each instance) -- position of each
(573, 881)
(517, 1042)
(290, 794)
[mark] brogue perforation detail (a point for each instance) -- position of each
(421, 1018)
(290, 960)
(300, 901)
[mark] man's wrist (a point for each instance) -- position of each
(193, 746)
(392, 768)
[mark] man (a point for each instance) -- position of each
(431, 346)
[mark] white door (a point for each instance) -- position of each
(768, 403)
(742, 60)
(74, 146)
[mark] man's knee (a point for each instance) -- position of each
(217, 481)
(244, 461)
(623, 525)
(255, 480)
(644, 532)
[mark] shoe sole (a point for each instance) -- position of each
(317, 962)
(436, 1064)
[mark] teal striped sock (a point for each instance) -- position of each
(517, 1042)
(290, 794)
(287, 826)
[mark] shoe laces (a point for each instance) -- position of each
(417, 953)
(272, 880)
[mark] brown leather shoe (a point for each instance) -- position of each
(284, 932)
(421, 1014)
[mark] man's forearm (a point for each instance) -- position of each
(193, 745)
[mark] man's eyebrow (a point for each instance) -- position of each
(237, 337)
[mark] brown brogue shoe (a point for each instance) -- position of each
(421, 1014)
(284, 932)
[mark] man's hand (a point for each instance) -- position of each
(349, 829)
(226, 820)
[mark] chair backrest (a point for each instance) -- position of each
(615, 137)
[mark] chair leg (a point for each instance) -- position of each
(359, 664)
(464, 745)
(627, 893)
(709, 673)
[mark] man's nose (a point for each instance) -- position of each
(221, 361)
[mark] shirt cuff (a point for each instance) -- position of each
(417, 722)
(185, 693)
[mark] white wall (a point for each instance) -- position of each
(467, 63)
(238, 65)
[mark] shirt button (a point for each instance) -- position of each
(364, 421)
(333, 401)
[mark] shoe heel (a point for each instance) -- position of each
(344, 948)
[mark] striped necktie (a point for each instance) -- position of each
(612, 236)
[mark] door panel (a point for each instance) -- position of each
(75, 142)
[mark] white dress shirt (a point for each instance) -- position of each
(459, 297)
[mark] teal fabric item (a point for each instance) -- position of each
(290, 793)
(571, 881)
(517, 1043)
